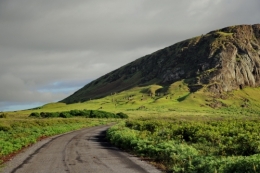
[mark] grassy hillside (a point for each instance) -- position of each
(168, 100)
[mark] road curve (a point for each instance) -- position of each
(77, 152)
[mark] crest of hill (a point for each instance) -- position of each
(222, 60)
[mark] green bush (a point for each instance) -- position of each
(101, 114)
(65, 115)
(79, 112)
(3, 115)
(240, 164)
(35, 114)
(43, 114)
(85, 113)
(4, 128)
(51, 114)
(122, 115)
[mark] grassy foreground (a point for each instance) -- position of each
(16, 134)
(217, 146)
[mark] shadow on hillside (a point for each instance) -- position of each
(183, 98)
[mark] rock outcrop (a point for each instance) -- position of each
(220, 61)
(237, 62)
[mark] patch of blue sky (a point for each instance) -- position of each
(59, 90)
(15, 107)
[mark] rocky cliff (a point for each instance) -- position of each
(236, 59)
(222, 60)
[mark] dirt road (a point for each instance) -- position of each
(76, 152)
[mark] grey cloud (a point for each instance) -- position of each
(45, 42)
(17, 90)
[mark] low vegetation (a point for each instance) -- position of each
(223, 146)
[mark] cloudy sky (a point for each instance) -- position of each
(51, 48)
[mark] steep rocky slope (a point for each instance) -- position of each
(222, 60)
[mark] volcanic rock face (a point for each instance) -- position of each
(237, 60)
(222, 60)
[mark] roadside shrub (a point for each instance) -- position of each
(122, 115)
(78, 112)
(85, 113)
(3, 115)
(75, 112)
(211, 164)
(35, 114)
(221, 146)
(65, 115)
(167, 152)
(43, 114)
(101, 114)
(4, 128)
(124, 138)
(51, 114)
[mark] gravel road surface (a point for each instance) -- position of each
(77, 152)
